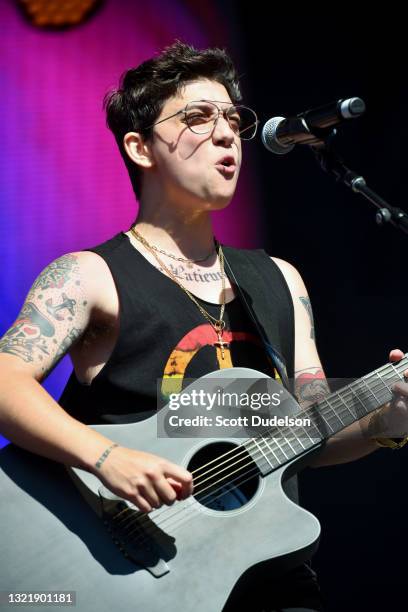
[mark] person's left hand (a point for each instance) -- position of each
(391, 421)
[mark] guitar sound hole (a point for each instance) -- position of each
(225, 477)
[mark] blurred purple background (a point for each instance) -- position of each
(63, 184)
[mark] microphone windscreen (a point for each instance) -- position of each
(270, 138)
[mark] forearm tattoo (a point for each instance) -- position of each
(306, 303)
(34, 334)
(310, 386)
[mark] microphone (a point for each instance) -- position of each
(280, 135)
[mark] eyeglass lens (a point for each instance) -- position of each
(199, 116)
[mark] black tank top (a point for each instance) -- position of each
(163, 335)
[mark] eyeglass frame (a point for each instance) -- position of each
(220, 110)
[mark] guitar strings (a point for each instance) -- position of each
(242, 451)
(251, 462)
(312, 408)
(322, 413)
(287, 442)
(181, 517)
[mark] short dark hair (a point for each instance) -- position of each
(144, 90)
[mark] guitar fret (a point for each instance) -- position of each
(271, 464)
(364, 399)
(271, 449)
(300, 442)
(395, 370)
(384, 382)
(378, 401)
(392, 370)
(296, 445)
(334, 414)
(347, 407)
(318, 433)
(303, 445)
(357, 397)
(278, 452)
(371, 391)
(280, 448)
(287, 442)
(308, 435)
(329, 415)
(342, 400)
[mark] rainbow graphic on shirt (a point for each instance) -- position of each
(196, 339)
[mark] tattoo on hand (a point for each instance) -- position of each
(306, 303)
(311, 386)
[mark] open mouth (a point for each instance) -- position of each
(226, 166)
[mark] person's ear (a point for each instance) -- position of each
(138, 149)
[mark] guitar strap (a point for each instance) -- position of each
(252, 285)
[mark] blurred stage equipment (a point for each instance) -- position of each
(58, 14)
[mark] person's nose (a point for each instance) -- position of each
(222, 129)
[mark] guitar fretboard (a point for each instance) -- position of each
(328, 417)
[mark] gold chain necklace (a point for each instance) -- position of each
(189, 262)
(217, 324)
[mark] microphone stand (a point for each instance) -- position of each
(331, 163)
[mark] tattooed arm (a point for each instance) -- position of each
(50, 321)
(57, 310)
(68, 295)
(310, 381)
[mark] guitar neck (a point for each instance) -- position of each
(327, 417)
(358, 399)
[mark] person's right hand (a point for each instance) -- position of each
(144, 479)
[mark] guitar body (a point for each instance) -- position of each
(185, 557)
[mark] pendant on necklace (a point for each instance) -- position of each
(220, 342)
